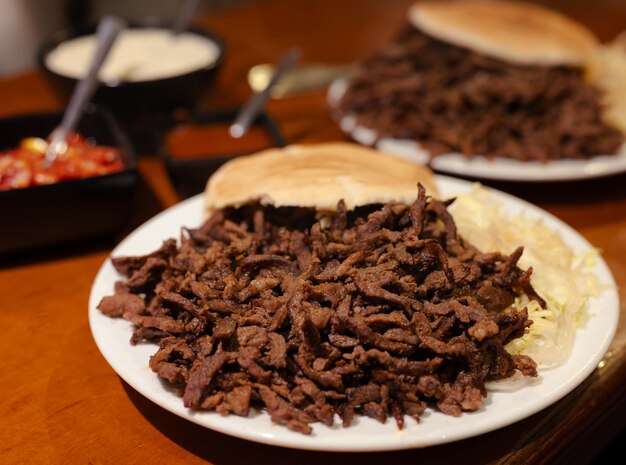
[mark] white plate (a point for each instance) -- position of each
(500, 409)
(479, 166)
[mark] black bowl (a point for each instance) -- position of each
(66, 211)
(189, 176)
(140, 106)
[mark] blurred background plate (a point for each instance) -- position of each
(478, 166)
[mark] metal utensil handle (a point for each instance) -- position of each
(301, 79)
(185, 14)
(108, 30)
(252, 109)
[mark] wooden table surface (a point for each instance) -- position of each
(62, 403)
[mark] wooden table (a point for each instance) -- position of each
(61, 402)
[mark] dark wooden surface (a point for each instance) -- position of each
(61, 402)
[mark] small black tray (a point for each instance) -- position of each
(190, 176)
(39, 216)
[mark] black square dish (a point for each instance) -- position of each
(66, 211)
(207, 152)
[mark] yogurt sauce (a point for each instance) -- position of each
(142, 54)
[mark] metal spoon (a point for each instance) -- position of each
(303, 78)
(108, 30)
(250, 111)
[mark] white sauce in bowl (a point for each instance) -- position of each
(143, 54)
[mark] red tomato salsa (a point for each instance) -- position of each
(23, 166)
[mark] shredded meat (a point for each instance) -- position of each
(451, 99)
(383, 313)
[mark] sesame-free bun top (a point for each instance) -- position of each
(316, 176)
(515, 32)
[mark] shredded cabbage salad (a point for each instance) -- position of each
(563, 278)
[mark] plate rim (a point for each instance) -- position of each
(296, 440)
